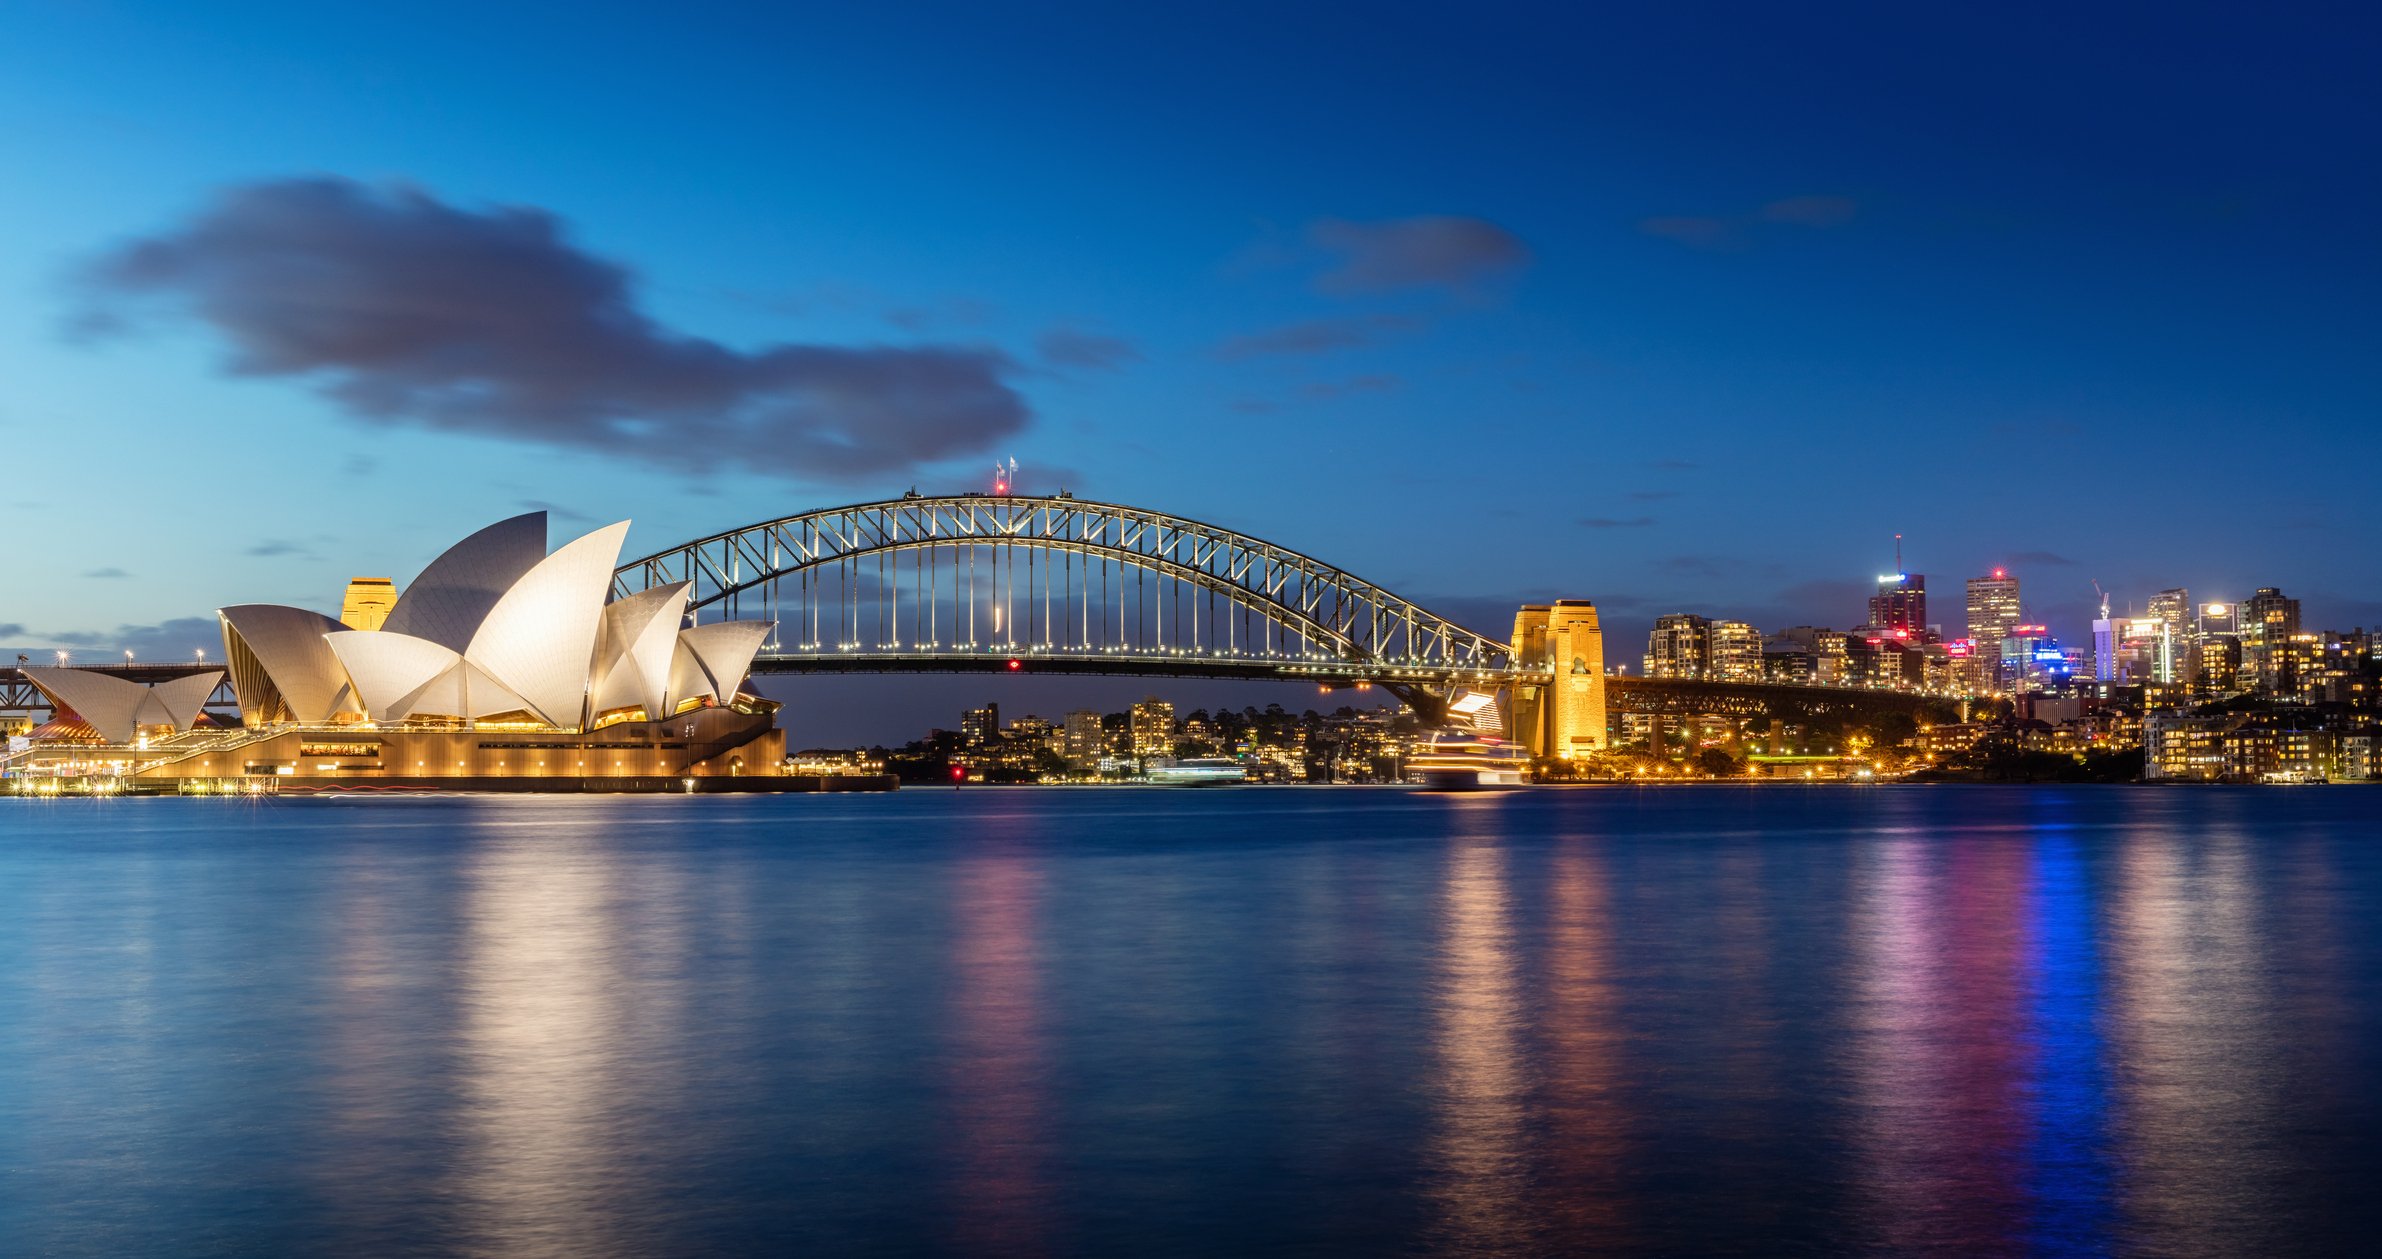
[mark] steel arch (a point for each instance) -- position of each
(1359, 619)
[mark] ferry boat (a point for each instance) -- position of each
(1464, 761)
(1199, 771)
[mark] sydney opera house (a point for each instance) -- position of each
(500, 662)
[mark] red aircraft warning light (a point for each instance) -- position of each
(1015, 665)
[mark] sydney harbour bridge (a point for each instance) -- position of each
(1056, 585)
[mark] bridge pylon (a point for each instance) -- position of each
(1563, 718)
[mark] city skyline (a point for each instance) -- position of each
(1185, 303)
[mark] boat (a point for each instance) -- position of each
(1462, 760)
(1199, 771)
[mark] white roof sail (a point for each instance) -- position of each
(111, 705)
(448, 602)
(288, 644)
(640, 638)
(713, 659)
(183, 699)
(540, 638)
(455, 690)
(387, 667)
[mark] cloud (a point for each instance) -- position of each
(360, 465)
(1697, 232)
(1651, 496)
(1672, 465)
(962, 312)
(1449, 252)
(108, 574)
(1072, 347)
(412, 312)
(271, 547)
(1810, 211)
(1736, 231)
(177, 639)
(1252, 406)
(1376, 383)
(2043, 558)
(1314, 336)
(1712, 566)
(1607, 522)
(10, 629)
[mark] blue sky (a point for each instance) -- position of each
(1715, 302)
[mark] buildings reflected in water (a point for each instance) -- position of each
(1687, 1021)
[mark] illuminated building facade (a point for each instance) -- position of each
(1992, 613)
(2269, 621)
(1083, 740)
(1736, 652)
(368, 602)
(1152, 725)
(979, 726)
(2172, 610)
(1565, 718)
(499, 661)
(1899, 608)
(1679, 646)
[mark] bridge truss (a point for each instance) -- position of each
(974, 582)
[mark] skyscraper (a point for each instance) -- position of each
(1992, 611)
(1899, 608)
(2172, 609)
(2268, 623)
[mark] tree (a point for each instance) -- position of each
(1717, 763)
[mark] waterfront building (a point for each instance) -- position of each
(979, 726)
(1083, 739)
(500, 660)
(1679, 646)
(1736, 652)
(1564, 719)
(1152, 724)
(1808, 654)
(368, 602)
(1993, 609)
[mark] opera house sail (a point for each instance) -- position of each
(499, 661)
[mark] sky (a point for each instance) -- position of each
(1675, 308)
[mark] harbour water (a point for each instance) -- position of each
(1961, 1020)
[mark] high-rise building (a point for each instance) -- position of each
(1679, 646)
(1736, 652)
(1899, 608)
(2032, 659)
(2172, 609)
(1153, 728)
(979, 726)
(1084, 740)
(368, 602)
(1565, 718)
(2268, 622)
(1992, 611)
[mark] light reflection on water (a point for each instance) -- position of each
(1263, 1021)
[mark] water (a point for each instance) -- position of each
(1246, 1021)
